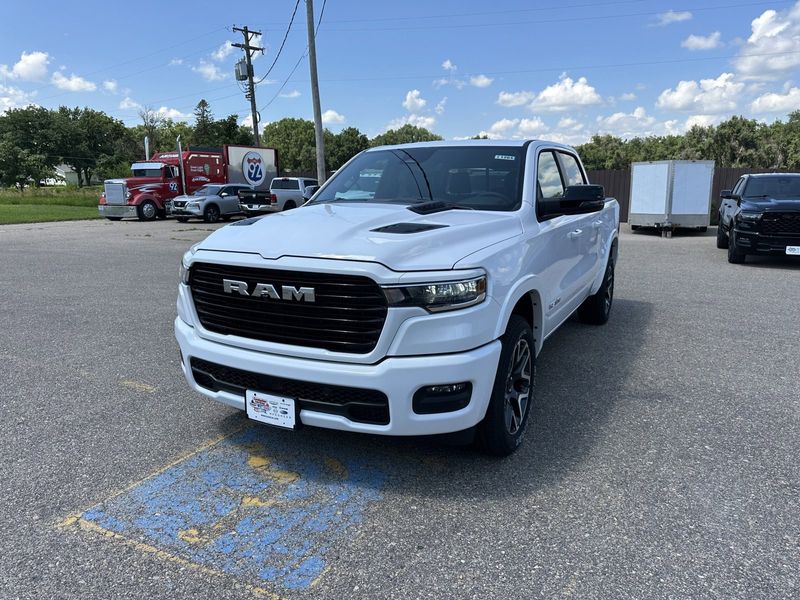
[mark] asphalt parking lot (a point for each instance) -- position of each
(661, 459)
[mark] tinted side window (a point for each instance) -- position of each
(549, 177)
(572, 172)
(739, 186)
(308, 182)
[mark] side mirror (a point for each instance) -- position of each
(729, 195)
(576, 200)
(310, 191)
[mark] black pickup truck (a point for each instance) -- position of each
(760, 215)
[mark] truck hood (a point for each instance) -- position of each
(347, 232)
(137, 183)
(770, 204)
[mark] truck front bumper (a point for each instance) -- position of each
(117, 210)
(753, 242)
(399, 378)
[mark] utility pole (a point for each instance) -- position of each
(251, 88)
(312, 64)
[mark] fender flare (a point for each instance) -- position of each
(611, 250)
(528, 286)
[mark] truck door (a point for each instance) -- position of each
(590, 224)
(560, 246)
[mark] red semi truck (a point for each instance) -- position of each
(170, 174)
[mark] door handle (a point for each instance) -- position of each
(597, 224)
(574, 235)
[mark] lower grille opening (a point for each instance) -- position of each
(356, 404)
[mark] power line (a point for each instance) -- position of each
(285, 36)
(451, 26)
(299, 60)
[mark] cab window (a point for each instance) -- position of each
(549, 183)
(572, 171)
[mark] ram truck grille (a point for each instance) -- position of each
(347, 314)
(781, 224)
(356, 404)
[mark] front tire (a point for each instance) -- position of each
(596, 309)
(503, 428)
(211, 214)
(147, 211)
(722, 238)
(182, 219)
(735, 256)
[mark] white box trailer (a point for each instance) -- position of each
(668, 194)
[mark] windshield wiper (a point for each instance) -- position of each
(435, 206)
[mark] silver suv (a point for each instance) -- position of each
(211, 203)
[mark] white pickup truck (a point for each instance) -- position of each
(410, 296)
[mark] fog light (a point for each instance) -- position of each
(442, 398)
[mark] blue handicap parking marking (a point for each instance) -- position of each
(237, 508)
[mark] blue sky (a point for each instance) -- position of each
(510, 68)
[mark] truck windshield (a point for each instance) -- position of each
(146, 172)
(478, 177)
(774, 187)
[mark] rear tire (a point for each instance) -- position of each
(722, 238)
(503, 428)
(289, 205)
(211, 214)
(147, 211)
(596, 309)
(735, 256)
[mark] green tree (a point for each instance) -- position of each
(20, 167)
(204, 134)
(404, 135)
(294, 141)
(342, 146)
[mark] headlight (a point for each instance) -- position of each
(749, 216)
(183, 271)
(192, 205)
(437, 297)
(127, 195)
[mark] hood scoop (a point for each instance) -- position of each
(408, 228)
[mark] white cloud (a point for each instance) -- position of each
(173, 114)
(627, 125)
(699, 42)
(223, 51)
(129, 103)
(773, 102)
(701, 121)
(73, 83)
(448, 65)
(292, 94)
(628, 97)
(710, 96)
(414, 101)
(11, 97)
(773, 48)
(480, 81)
(331, 117)
(110, 85)
(509, 99)
(531, 127)
(209, 71)
(440, 106)
(424, 121)
(175, 62)
(515, 128)
(566, 94)
(570, 124)
(29, 67)
(248, 122)
(671, 16)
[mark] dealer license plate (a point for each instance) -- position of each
(272, 410)
(793, 250)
